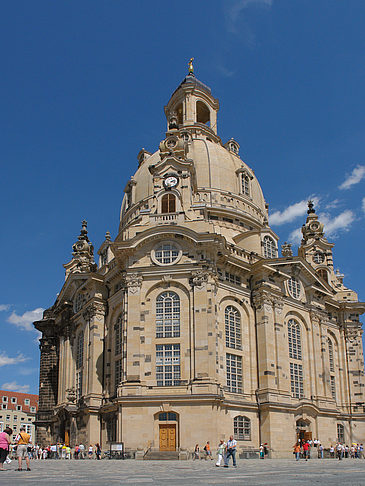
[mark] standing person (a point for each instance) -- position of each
(98, 451)
(231, 451)
(77, 451)
(208, 452)
(196, 452)
(297, 451)
(306, 450)
(221, 450)
(23, 440)
(262, 451)
(332, 452)
(82, 451)
(4, 446)
(339, 451)
(320, 451)
(90, 453)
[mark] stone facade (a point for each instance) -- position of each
(191, 327)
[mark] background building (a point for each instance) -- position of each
(18, 409)
(191, 327)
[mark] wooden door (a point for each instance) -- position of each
(167, 437)
(67, 438)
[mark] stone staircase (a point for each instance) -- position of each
(157, 455)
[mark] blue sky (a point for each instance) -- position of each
(83, 87)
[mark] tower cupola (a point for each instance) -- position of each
(192, 104)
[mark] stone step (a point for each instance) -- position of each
(161, 456)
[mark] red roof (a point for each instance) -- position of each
(20, 400)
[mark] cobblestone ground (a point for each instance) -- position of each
(281, 472)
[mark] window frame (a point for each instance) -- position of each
(168, 364)
(233, 327)
(168, 316)
(270, 249)
(242, 424)
(234, 375)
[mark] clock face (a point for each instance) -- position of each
(170, 181)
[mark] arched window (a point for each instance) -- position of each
(340, 433)
(245, 185)
(202, 113)
(80, 350)
(79, 363)
(118, 336)
(168, 315)
(242, 428)
(232, 319)
(294, 287)
(168, 203)
(270, 250)
(294, 339)
(330, 355)
(323, 274)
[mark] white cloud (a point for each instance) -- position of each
(354, 178)
(342, 222)
(4, 307)
(25, 321)
(235, 9)
(363, 204)
(295, 236)
(291, 212)
(333, 204)
(13, 386)
(6, 360)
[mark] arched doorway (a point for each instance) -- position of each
(167, 431)
(303, 430)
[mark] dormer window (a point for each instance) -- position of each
(245, 184)
(269, 246)
(323, 274)
(318, 257)
(168, 203)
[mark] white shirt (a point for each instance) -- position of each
(231, 444)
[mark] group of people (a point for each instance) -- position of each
(225, 450)
(303, 449)
(23, 447)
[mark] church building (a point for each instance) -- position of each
(189, 326)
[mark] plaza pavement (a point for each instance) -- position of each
(283, 472)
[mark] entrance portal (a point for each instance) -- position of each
(167, 437)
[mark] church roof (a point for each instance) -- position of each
(191, 80)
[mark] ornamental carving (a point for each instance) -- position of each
(134, 282)
(263, 300)
(199, 278)
(95, 310)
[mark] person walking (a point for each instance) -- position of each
(23, 441)
(98, 451)
(82, 451)
(306, 450)
(297, 451)
(90, 453)
(208, 452)
(339, 450)
(196, 453)
(231, 451)
(221, 450)
(320, 451)
(262, 451)
(4, 446)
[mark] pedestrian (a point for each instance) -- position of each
(320, 451)
(4, 446)
(82, 451)
(68, 452)
(262, 452)
(306, 450)
(77, 451)
(231, 451)
(98, 451)
(23, 441)
(90, 453)
(339, 450)
(208, 452)
(221, 450)
(196, 453)
(332, 452)
(297, 451)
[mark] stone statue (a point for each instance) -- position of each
(191, 67)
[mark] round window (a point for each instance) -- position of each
(318, 257)
(294, 287)
(166, 253)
